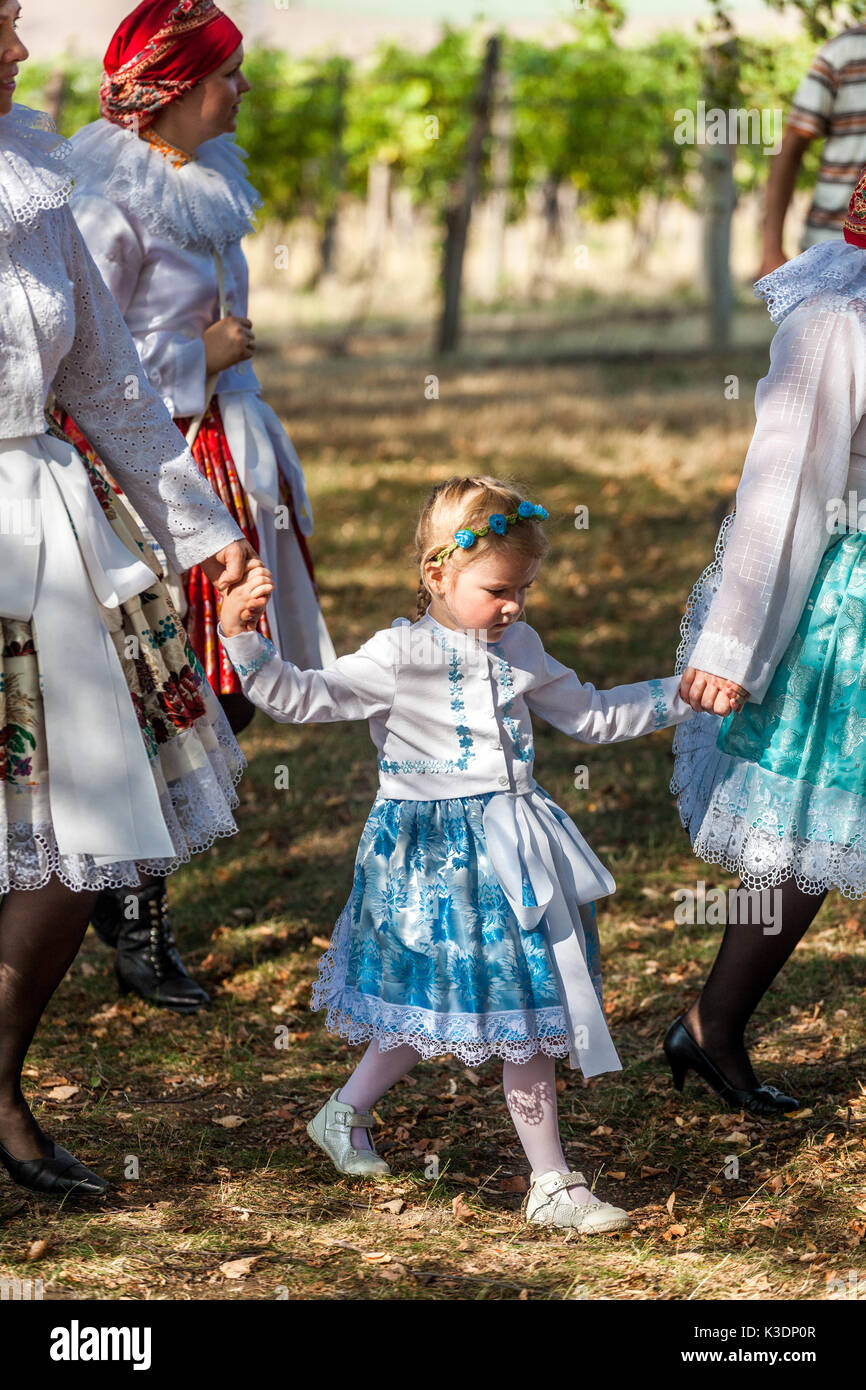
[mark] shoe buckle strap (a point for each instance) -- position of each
(567, 1180)
(355, 1120)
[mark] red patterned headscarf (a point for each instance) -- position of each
(855, 222)
(161, 50)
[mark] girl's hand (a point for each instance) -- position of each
(713, 694)
(245, 602)
(227, 342)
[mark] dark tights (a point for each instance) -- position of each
(747, 963)
(40, 933)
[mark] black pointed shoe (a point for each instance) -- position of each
(147, 962)
(684, 1055)
(56, 1174)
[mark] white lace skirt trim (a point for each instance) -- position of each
(197, 796)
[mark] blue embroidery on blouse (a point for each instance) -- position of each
(261, 660)
(523, 744)
(659, 703)
(464, 736)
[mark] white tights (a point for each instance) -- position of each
(530, 1094)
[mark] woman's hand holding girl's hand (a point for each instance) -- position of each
(245, 602)
(229, 565)
(227, 342)
(714, 694)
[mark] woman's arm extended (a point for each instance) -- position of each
(808, 407)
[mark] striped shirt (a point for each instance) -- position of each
(830, 105)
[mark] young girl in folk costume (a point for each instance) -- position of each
(163, 200)
(116, 759)
(778, 793)
(470, 928)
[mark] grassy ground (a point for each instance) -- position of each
(230, 1199)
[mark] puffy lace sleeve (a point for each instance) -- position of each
(102, 384)
(600, 716)
(175, 361)
(113, 243)
(358, 686)
(808, 407)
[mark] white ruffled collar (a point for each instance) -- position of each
(34, 169)
(831, 268)
(208, 203)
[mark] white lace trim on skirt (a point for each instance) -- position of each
(197, 806)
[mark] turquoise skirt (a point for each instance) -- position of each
(428, 950)
(779, 790)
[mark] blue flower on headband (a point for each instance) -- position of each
(464, 538)
(541, 512)
(526, 509)
(498, 523)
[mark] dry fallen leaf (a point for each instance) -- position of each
(230, 1121)
(600, 1129)
(673, 1231)
(37, 1249)
(461, 1211)
(516, 1184)
(239, 1269)
(670, 1203)
(471, 1076)
(394, 1207)
(376, 1257)
(63, 1092)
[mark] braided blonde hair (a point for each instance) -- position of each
(468, 502)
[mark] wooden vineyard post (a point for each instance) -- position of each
(459, 211)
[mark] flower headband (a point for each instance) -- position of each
(497, 522)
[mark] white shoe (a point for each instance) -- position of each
(332, 1131)
(548, 1204)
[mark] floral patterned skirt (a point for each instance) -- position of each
(428, 951)
(195, 760)
(779, 790)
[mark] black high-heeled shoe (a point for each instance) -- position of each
(684, 1054)
(57, 1174)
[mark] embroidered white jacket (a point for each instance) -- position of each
(450, 715)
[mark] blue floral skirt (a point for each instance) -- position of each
(779, 790)
(428, 951)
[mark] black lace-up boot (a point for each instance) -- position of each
(147, 962)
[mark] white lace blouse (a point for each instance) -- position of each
(807, 452)
(61, 330)
(152, 229)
